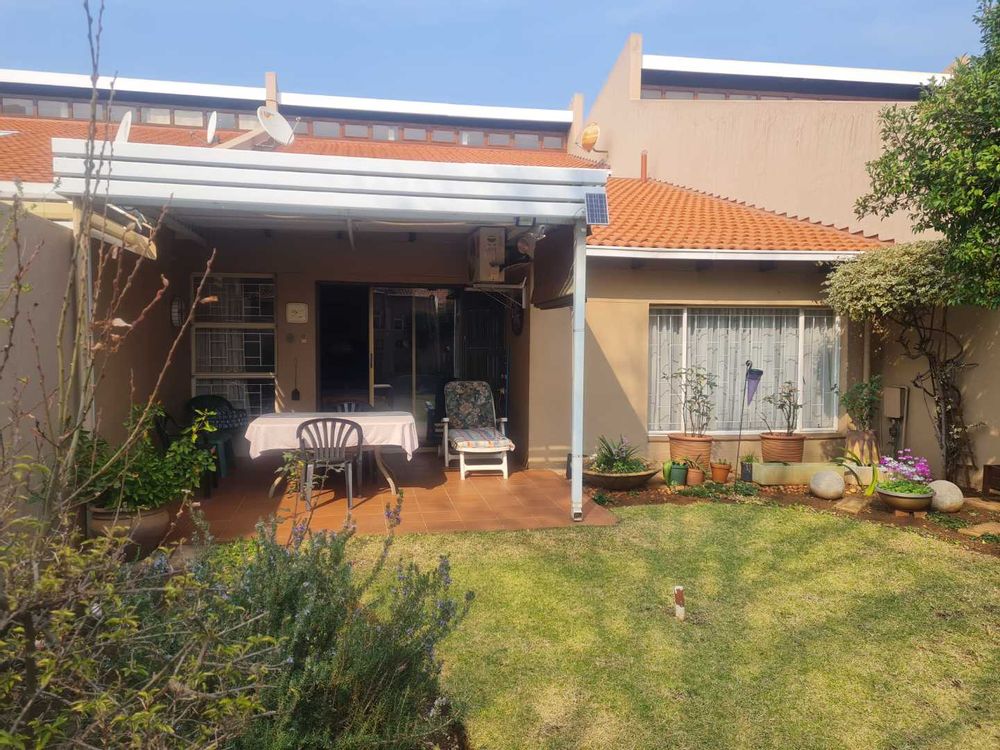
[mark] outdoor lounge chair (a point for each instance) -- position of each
(471, 428)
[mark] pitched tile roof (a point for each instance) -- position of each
(26, 152)
(657, 214)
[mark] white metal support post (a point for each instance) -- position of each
(579, 334)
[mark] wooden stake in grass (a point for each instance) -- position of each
(679, 603)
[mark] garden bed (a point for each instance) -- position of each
(941, 525)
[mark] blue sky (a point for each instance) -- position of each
(507, 52)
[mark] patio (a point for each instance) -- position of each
(433, 501)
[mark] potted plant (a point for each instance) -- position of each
(675, 472)
(131, 490)
(747, 461)
(785, 446)
(903, 482)
(697, 386)
(695, 474)
(720, 470)
(861, 402)
(617, 466)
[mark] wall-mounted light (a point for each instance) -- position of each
(178, 312)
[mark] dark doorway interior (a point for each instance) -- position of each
(343, 343)
(483, 351)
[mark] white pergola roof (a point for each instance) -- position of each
(283, 185)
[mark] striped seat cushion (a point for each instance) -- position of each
(479, 437)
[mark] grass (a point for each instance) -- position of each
(804, 630)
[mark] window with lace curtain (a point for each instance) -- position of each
(801, 345)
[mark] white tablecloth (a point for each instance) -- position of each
(276, 432)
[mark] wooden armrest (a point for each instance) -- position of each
(444, 420)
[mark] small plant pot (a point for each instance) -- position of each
(911, 503)
(145, 529)
(678, 474)
(779, 448)
(698, 449)
(746, 471)
(720, 473)
(695, 476)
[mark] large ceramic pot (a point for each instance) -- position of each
(698, 449)
(144, 528)
(779, 448)
(911, 503)
(606, 481)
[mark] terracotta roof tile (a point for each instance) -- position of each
(660, 215)
(26, 153)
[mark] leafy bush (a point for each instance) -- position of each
(786, 401)
(861, 402)
(357, 652)
(142, 476)
(255, 645)
(697, 387)
(619, 457)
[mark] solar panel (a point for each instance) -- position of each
(597, 209)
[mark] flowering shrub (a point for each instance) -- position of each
(905, 473)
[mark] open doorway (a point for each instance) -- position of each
(395, 347)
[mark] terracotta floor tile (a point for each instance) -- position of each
(444, 517)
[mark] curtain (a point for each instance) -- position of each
(665, 357)
(721, 340)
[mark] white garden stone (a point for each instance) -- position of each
(828, 485)
(947, 498)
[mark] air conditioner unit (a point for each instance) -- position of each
(487, 255)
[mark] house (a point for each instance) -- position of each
(395, 244)
(793, 139)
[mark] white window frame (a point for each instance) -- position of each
(246, 326)
(833, 428)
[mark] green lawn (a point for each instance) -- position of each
(805, 630)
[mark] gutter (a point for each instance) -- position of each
(665, 253)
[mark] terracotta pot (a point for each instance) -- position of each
(698, 449)
(720, 473)
(145, 529)
(695, 476)
(779, 448)
(629, 481)
(905, 501)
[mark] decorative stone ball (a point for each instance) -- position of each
(947, 498)
(827, 484)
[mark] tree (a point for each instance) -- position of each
(910, 286)
(941, 164)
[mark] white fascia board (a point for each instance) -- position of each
(664, 253)
(197, 155)
(298, 203)
(181, 174)
(669, 63)
(318, 101)
(29, 190)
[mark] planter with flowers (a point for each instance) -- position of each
(903, 482)
(784, 447)
(617, 466)
(697, 386)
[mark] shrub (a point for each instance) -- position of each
(861, 402)
(619, 457)
(357, 652)
(697, 386)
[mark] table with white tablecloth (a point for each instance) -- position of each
(278, 432)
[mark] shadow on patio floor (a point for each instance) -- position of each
(433, 500)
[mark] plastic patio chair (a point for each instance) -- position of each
(329, 443)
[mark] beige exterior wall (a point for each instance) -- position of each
(801, 158)
(619, 298)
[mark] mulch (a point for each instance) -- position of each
(789, 495)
